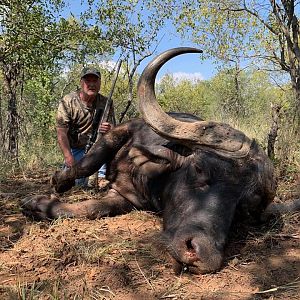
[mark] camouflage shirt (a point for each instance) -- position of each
(74, 114)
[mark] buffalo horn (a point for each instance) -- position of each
(219, 137)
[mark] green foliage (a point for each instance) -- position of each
(234, 31)
(35, 44)
(184, 96)
(226, 30)
(29, 34)
(130, 24)
(217, 99)
(40, 98)
(34, 34)
(44, 53)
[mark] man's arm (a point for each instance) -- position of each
(62, 138)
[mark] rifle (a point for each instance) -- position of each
(104, 113)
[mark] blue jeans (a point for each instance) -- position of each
(78, 154)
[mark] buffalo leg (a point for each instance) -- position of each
(278, 209)
(43, 207)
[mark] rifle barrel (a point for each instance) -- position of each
(109, 99)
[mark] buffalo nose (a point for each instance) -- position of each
(189, 245)
(188, 250)
(199, 253)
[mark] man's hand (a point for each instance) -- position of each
(69, 160)
(104, 127)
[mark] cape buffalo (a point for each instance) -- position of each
(200, 175)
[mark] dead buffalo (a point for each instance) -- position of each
(199, 175)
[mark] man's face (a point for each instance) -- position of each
(90, 85)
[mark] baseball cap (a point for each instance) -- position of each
(90, 71)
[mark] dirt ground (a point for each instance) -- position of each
(121, 257)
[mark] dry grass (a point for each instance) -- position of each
(119, 258)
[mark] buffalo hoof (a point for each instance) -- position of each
(39, 207)
(59, 183)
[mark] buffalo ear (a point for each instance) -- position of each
(154, 160)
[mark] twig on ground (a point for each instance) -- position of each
(291, 285)
(148, 282)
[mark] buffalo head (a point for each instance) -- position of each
(218, 173)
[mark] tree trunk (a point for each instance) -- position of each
(11, 73)
(273, 133)
(297, 100)
(239, 111)
(1, 126)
